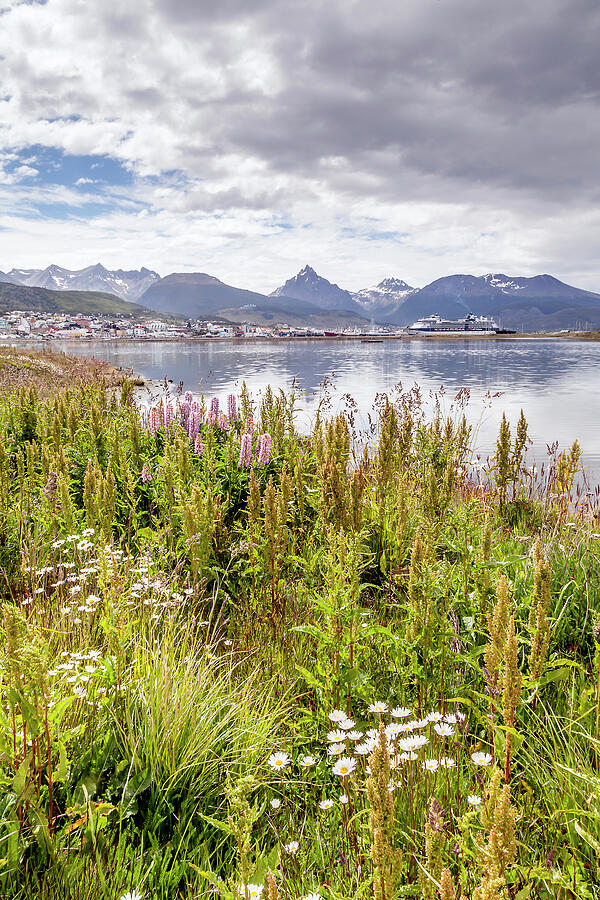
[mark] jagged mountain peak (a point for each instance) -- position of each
(130, 285)
(310, 286)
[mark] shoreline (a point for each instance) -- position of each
(364, 339)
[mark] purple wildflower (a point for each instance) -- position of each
(146, 475)
(245, 451)
(263, 449)
(231, 407)
(213, 413)
(198, 445)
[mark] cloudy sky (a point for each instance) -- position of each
(245, 138)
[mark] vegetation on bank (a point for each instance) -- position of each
(14, 297)
(239, 661)
(49, 372)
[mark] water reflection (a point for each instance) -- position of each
(554, 381)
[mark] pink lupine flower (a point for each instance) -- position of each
(198, 445)
(223, 423)
(213, 413)
(194, 421)
(263, 449)
(249, 426)
(231, 407)
(245, 451)
(146, 475)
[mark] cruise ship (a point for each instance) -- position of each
(470, 324)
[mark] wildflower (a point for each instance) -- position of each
(394, 729)
(334, 737)
(132, 895)
(245, 451)
(344, 766)
(400, 712)
(198, 445)
(279, 760)
(435, 716)
(275, 803)
(57, 544)
(263, 449)
(430, 765)
(254, 890)
(307, 761)
(482, 759)
(363, 749)
(378, 707)
(447, 762)
(291, 848)
(314, 896)
(443, 729)
(145, 475)
(344, 799)
(413, 743)
(347, 725)
(337, 715)
(231, 407)
(474, 800)
(335, 749)
(354, 735)
(325, 804)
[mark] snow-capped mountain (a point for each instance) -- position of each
(384, 294)
(309, 286)
(130, 285)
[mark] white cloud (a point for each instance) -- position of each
(309, 132)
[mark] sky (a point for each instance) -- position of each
(407, 138)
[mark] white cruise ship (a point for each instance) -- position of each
(470, 324)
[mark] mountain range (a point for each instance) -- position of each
(128, 285)
(539, 303)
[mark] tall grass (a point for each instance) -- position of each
(230, 649)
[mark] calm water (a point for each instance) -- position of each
(555, 382)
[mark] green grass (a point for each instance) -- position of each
(175, 622)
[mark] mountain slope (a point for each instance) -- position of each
(130, 285)
(309, 286)
(197, 294)
(22, 297)
(541, 303)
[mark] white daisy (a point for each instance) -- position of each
(334, 737)
(347, 724)
(413, 743)
(338, 715)
(275, 803)
(443, 729)
(447, 762)
(291, 848)
(307, 761)
(325, 804)
(344, 766)
(474, 800)
(279, 760)
(254, 891)
(378, 707)
(335, 749)
(482, 759)
(430, 765)
(400, 712)
(354, 735)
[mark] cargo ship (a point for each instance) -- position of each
(471, 324)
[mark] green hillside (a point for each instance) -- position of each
(21, 297)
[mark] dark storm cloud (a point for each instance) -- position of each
(474, 95)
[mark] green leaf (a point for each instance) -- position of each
(63, 764)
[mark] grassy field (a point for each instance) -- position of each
(238, 661)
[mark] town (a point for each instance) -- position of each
(60, 326)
